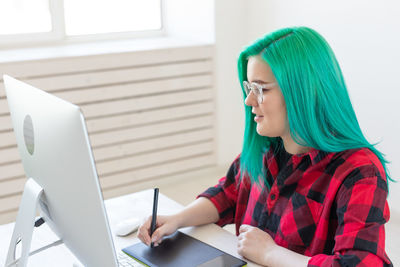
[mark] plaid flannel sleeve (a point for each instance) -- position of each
(224, 195)
(362, 211)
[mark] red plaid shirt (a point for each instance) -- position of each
(329, 206)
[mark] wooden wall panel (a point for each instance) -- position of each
(149, 115)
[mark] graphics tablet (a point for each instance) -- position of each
(181, 250)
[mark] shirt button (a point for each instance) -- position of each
(273, 196)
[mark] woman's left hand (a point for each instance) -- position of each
(255, 244)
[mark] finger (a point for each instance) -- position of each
(160, 221)
(147, 238)
(150, 236)
(144, 234)
(140, 237)
(144, 237)
(157, 235)
(244, 228)
(240, 250)
(240, 237)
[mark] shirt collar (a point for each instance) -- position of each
(314, 154)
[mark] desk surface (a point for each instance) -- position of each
(133, 205)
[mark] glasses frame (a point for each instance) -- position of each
(256, 88)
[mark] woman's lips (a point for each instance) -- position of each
(258, 118)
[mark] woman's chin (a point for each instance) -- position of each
(264, 132)
(261, 131)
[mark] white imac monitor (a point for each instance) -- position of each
(55, 151)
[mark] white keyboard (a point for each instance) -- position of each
(126, 261)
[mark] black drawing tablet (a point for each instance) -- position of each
(181, 250)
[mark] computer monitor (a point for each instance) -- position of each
(55, 150)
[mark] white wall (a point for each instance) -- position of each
(365, 38)
(230, 39)
(190, 19)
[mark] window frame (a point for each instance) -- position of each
(58, 36)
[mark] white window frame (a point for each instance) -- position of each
(58, 36)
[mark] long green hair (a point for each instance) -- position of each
(320, 113)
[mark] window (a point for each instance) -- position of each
(20, 17)
(111, 16)
(38, 21)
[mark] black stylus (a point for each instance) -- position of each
(154, 216)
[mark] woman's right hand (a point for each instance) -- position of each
(199, 212)
(166, 225)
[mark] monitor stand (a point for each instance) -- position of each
(24, 224)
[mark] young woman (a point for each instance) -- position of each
(308, 188)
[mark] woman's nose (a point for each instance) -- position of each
(251, 100)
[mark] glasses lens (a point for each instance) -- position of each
(257, 92)
(254, 88)
(246, 86)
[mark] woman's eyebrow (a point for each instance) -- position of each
(260, 81)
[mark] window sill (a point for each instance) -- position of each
(94, 48)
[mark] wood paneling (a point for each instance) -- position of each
(149, 114)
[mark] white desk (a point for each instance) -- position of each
(118, 209)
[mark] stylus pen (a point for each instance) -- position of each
(154, 216)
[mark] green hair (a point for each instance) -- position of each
(320, 113)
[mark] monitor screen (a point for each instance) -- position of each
(55, 151)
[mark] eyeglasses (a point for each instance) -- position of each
(257, 89)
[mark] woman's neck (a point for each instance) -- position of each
(292, 147)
